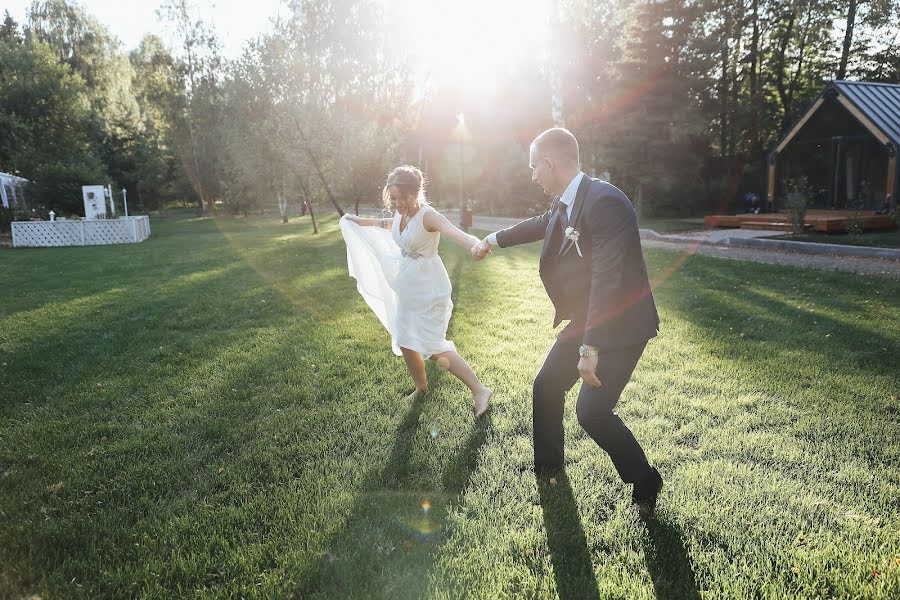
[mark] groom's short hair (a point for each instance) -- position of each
(558, 143)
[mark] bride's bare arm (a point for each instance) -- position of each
(435, 221)
(367, 222)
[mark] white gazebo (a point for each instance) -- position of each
(12, 190)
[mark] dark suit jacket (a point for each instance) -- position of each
(605, 292)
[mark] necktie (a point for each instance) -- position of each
(563, 209)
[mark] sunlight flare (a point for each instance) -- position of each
(467, 43)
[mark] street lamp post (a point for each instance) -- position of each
(461, 127)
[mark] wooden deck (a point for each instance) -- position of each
(827, 221)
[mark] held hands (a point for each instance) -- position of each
(481, 249)
(587, 368)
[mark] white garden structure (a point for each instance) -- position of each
(123, 230)
(95, 230)
(12, 190)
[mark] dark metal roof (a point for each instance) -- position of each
(880, 102)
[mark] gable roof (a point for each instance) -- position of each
(878, 101)
(875, 105)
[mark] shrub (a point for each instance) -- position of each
(856, 204)
(57, 185)
(798, 199)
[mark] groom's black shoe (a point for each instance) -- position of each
(645, 493)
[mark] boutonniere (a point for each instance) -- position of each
(572, 234)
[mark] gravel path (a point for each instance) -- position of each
(827, 262)
(682, 242)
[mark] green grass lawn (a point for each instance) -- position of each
(882, 239)
(215, 412)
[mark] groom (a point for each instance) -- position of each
(593, 270)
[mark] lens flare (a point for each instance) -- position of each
(422, 519)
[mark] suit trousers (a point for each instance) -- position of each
(595, 406)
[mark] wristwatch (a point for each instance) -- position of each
(587, 351)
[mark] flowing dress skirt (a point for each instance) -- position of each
(410, 296)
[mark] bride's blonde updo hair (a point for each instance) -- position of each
(409, 181)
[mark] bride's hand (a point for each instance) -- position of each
(480, 250)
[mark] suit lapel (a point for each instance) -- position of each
(576, 211)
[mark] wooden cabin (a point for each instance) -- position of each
(845, 146)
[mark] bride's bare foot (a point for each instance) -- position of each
(482, 402)
(415, 395)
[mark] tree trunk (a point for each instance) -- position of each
(804, 40)
(283, 207)
(780, 61)
(190, 125)
(307, 203)
(848, 39)
(755, 105)
(754, 51)
(734, 90)
(723, 93)
(313, 217)
(319, 172)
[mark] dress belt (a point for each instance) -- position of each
(413, 255)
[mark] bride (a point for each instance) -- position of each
(402, 279)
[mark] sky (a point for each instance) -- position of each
(234, 22)
(466, 41)
(463, 44)
(470, 41)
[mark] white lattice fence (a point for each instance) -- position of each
(124, 230)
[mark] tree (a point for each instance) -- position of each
(648, 143)
(313, 106)
(160, 175)
(198, 64)
(866, 24)
(90, 51)
(9, 30)
(46, 118)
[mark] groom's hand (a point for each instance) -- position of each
(481, 249)
(587, 368)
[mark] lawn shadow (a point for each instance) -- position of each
(459, 469)
(175, 428)
(209, 303)
(668, 561)
(723, 289)
(387, 546)
(61, 275)
(785, 321)
(191, 455)
(794, 326)
(569, 553)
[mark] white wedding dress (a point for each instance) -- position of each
(402, 279)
